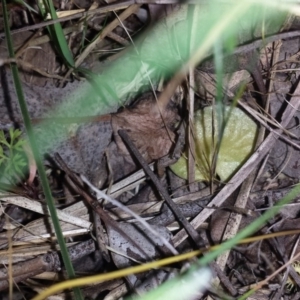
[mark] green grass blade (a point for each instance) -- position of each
(40, 167)
(26, 5)
(252, 228)
(56, 33)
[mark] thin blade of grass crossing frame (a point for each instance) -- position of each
(46, 7)
(219, 105)
(33, 144)
(252, 228)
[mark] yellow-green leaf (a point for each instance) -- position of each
(236, 146)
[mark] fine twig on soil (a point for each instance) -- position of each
(108, 221)
(101, 195)
(187, 226)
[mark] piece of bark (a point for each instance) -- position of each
(47, 262)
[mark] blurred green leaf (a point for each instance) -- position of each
(13, 162)
(15, 134)
(4, 142)
(19, 145)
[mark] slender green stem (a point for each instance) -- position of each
(40, 166)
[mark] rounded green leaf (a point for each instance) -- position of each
(236, 146)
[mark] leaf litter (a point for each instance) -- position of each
(95, 149)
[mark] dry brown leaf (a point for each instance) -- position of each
(148, 128)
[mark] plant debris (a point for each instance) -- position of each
(109, 122)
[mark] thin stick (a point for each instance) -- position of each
(103, 9)
(101, 195)
(191, 142)
(108, 221)
(187, 226)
